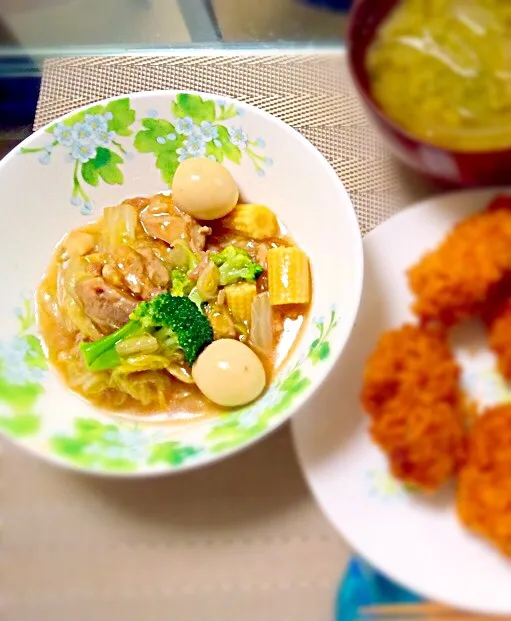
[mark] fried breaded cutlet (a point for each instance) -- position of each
(411, 393)
(452, 282)
(424, 441)
(497, 316)
(484, 484)
(410, 357)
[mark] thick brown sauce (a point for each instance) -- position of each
(183, 401)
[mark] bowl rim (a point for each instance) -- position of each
(338, 344)
(370, 102)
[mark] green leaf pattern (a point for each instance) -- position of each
(97, 141)
(160, 138)
(171, 453)
(22, 369)
(197, 130)
(91, 139)
(383, 486)
(320, 348)
(106, 446)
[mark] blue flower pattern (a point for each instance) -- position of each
(97, 122)
(22, 370)
(131, 443)
(208, 131)
(89, 135)
(82, 138)
(63, 134)
(83, 152)
(238, 137)
(185, 126)
(103, 138)
(199, 129)
(195, 146)
(89, 140)
(128, 444)
(15, 365)
(45, 158)
(83, 134)
(196, 136)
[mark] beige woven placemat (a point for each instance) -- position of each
(311, 92)
(241, 540)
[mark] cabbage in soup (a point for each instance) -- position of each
(441, 69)
(149, 310)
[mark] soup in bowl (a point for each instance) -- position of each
(182, 272)
(434, 76)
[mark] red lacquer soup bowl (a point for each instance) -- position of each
(443, 166)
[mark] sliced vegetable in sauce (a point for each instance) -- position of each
(138, 305)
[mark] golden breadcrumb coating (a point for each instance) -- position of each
(452, 282)
(411, 393)
(484, 484)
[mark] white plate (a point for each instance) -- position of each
(418, 542)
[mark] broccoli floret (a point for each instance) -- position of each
(101, 355)
(168, 318)
(168, 343)
(181, 284)
(234, 265)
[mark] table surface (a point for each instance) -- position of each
(33, 30)
(242, 539)
(36, 29)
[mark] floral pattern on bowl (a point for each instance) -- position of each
(22, 368)
(198, 129)
(98, 140)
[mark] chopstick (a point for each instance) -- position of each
(417, 612)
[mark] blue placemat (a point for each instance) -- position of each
(363, 585)
(336, 5)
(19, 90)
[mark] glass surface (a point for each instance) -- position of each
(32, 30)
(105, 26)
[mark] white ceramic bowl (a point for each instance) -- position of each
(62, 177)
